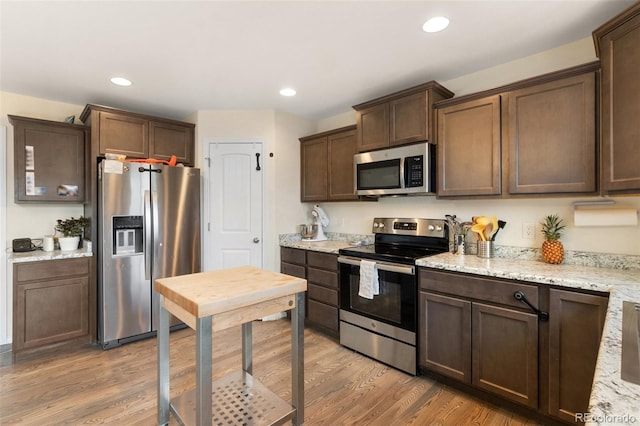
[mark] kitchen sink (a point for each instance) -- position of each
(631, 342)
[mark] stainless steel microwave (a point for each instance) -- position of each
(405, 170)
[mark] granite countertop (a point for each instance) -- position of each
(613, 400)
(38, 255)
(323, 246)
(335, 242)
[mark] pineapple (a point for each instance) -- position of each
(552, 249)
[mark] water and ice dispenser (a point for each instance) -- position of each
(127, 234)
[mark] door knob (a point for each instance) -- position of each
(256, 240)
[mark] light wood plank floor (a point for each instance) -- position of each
(118, 386)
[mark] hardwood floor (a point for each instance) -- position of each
(118, 386)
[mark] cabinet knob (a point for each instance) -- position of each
(256, 240)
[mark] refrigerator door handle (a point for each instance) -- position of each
(147, 235)
(154, 240)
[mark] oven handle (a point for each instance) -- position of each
(382, 266)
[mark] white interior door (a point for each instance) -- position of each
(235, 198)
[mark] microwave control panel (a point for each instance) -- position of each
(414, 167)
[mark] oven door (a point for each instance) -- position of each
(395, 305)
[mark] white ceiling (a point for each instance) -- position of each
(184, 56)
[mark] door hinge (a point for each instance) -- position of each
(209, 226)
(208, 161)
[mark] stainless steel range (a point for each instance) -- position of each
(383, 326)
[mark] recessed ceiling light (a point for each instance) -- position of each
(287, 92)
(435, 24)
(121, 81)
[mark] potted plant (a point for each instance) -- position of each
(71, 230)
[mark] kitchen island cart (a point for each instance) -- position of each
(214, 301)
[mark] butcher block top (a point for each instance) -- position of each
(215, 292)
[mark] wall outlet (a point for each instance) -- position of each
(528, 231)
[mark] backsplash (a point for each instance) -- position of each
(581, 258)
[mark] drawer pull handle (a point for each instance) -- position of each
(542, 316)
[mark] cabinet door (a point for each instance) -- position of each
(445, 335)
(505, 353)
(50, 311)
(552, 137)
(342, 148)
(50, 161)
(620, 57)
(373, 127)
(50, 303)
(575, 329)
(469, 148)
(313, 170)
(167, 139)
(123, 134)
(409, 119)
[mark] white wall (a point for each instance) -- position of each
(32, 220)
(286, 162)
(356, 217)
(279, 132)
(26, 220)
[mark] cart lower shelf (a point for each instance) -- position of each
(237, 399)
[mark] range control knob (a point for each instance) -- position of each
(375, 224)
(381, 225)
(431, 227)
(438, 228)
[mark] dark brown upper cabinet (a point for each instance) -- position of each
(399, 118)
(552, 137)
(50, 161)
(139, 136)
(326, 165)
(617, 45)
(533, 137)
(469, 148)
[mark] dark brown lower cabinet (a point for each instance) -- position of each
(490, 347)
(321, 272)
(445, 344)
(505, 353)
(322, 280)
(50, 304)
(575, 329)
(473, 330)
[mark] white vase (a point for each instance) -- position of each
(69, 243)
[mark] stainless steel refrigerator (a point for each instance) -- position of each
(149, 228)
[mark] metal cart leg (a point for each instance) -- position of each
(297, 359)
(163, 365)
(247, 343)
(203, 371)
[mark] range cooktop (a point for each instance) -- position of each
(403, 240)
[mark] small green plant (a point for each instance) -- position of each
(72, 227)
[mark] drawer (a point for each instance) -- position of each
(325, 278)
(295, 270)
(51, 269)
(319, 260)
(324, 315)
(472, 287)
(322, 294)
(292, 255)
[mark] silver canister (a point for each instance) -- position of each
(486, 249)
